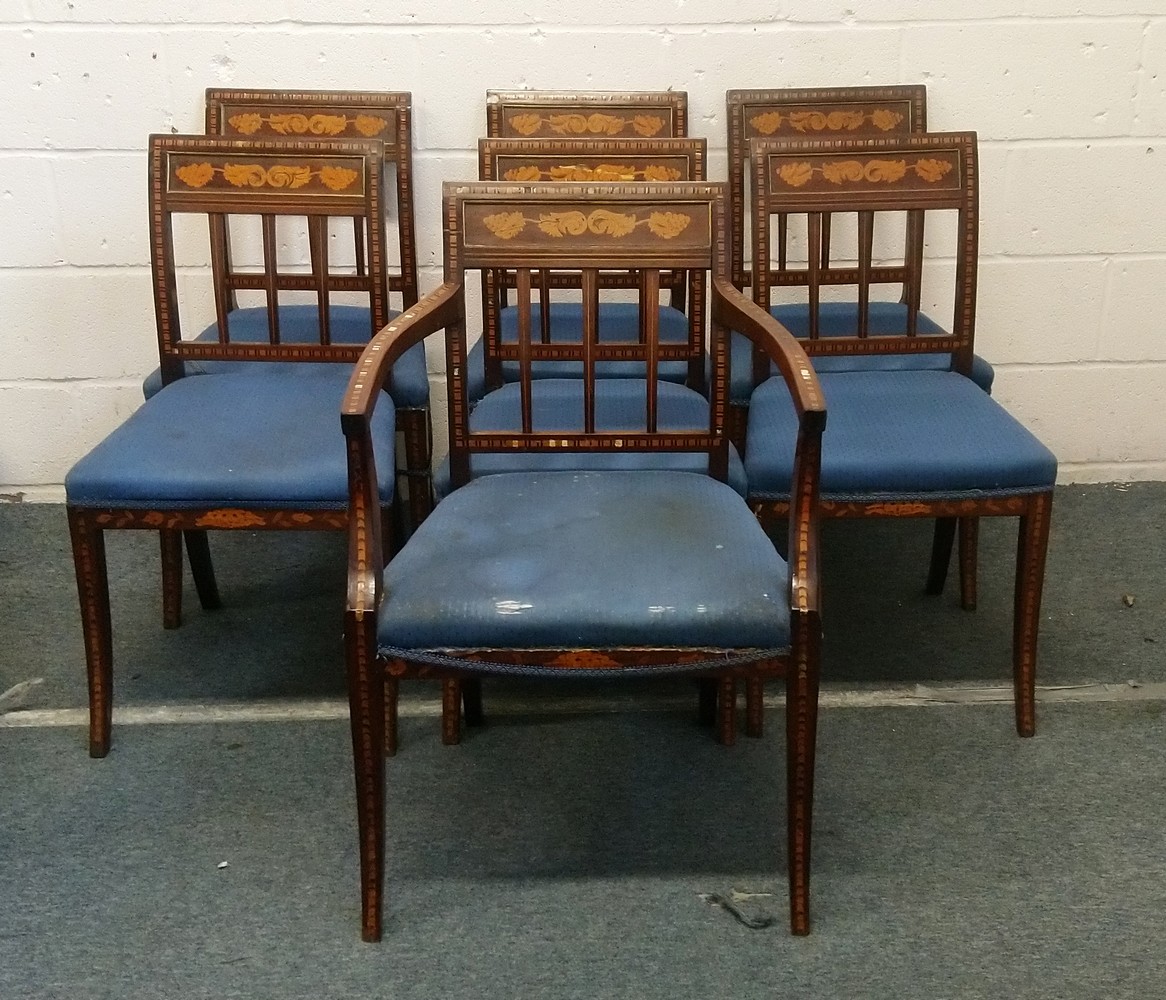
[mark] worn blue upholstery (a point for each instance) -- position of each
(618, 321)
(281, 447)
(408, 383)
(838, 319)
(532, 559)
(898, 434)
(557, 405)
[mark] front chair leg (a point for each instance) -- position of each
(727, 711)
(93, 591)
(198, 551)
(755, 707)
(801, 726)
(1031, 549)
(969, 558)
(451, 711)
(941, 545)
(366, 707)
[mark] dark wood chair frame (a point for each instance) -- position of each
(859, 112)
(381, 116)
(472, 242)
(206, 191)
(956, 188)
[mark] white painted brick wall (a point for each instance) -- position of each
(1069, 99)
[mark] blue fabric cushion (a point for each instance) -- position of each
(618, 321)
(838, 319)
(898, 435)
(408, 382)
(234, 439)
(557, 405)
(587, 559)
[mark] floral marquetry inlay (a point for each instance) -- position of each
(769, 122)
(800, 172)
(602, 172)
(250, 122)
(597, 123)
(198, 175)
(601, 222)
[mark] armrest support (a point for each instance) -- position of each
(735, 311)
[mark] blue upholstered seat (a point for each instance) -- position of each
(298, 324)
(531, 560)
(557, 405)
(841, 319)
(281, 448)
(899, 434)
(618, 321)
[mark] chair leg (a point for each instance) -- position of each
(969, 559)
(366, 702)
(198, 551)
(727, 712)
(1031, 549)
(93, 592)
(755, 707)
(801, 725)
(417, 429)
(451, 711)
(941, 545)
(472, 701)
(170, 544)
(392, 695)
(706, 705)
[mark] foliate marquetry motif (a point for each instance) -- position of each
(531, 123)
(601, 172)
(600, 221)
(876, 170)
(197, 174)
(849, 120)
(295, 123)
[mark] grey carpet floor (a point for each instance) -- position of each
(564, 855)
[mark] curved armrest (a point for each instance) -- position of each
(737, 312)
(445, 306)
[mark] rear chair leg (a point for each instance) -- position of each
(472, 701)
(727, 712)
(93, 592)
(941, 545)
(969, 558)
(1031, 549)
(198, 551)
(706, 705)
(392, 694)
(755, 707)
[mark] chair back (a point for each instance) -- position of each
(651, 229)
(573, 160)
(932, 174)
(385, 117)
(314, 179)
(856, 112)
(560, 114)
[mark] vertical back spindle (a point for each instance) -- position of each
(270, 277)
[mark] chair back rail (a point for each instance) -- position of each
(580, 160)
(797, 114)
(531, 114)
(221, 177)
(913, 174)
(383, 116)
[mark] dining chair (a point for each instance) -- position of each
(903, 442)
(643, 562)
(235, 448)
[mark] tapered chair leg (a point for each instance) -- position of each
(366, 702)
(941, 545)
(198, 551)
(472, 701)
(93, 592)
(1031, 549)
(451, 711)
(969, 559)
(170, 545)
(727, 712)
(801, 726)
(755, 707)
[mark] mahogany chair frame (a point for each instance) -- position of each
(189, 174)
(498, 226)
(940, 171)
